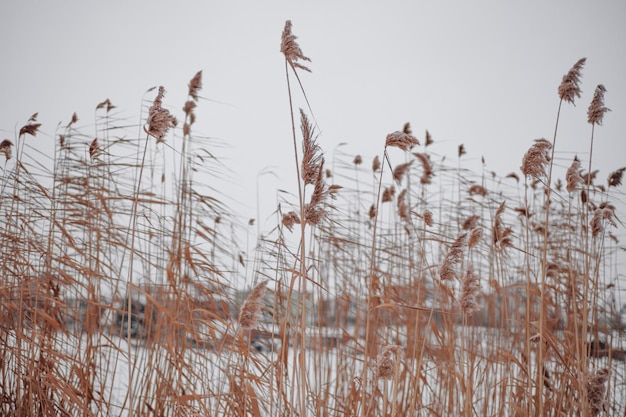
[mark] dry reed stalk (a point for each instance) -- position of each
(403, 208)
(471, 222)
(447, 270)
(428, 218)
(475, 236)
(595, 385)
(386, 363)
(312, 160)
(314, 212)
(597, 110)
(536, 159)
(159, 119)
(599, 215)
(400, 170)
(572, 176)
(478, 189)
(470, 287)
(501, 234)
(429, 139)
(615, 177)
(388, 194)
(250, 311)
(569, 88)
(401, 140)
(426, 166)
(195, 85)
(290, 48)
(375, 164)
(6, 149)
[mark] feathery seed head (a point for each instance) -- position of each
(290, 48)
(401, 140)
(596, 110)
(569, 88)
(251, 308)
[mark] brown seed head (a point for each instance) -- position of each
(615, 178)
(570, 88)
(447, 270)
(596, 391)
(596, 110)
(250, 311)
(400, 170)
(290, 219)
(470, 286)
(475, 236)
(5, 148)
(428, 218)
(429, 172)
(429, 139)
(290, 48)
(30, 129)
(597, 221)
(401, 140)
(195, 85)
(358, 160)
(572, 176)
(386, 363)
(536, 159)
(159, 119)
(376, 164)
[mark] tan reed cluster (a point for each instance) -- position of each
(401, 140)
(597, 221)
(427, 167)
(596, 110)
(572, 176)
(400, 170)
(6, 148)
(447, 271)
(501, 233)
(290, 219)
(569, 88)
(250, 311)
(470, 286)
(536, 159)
(159, 119)
(596, 391)
(290, 48)
(386, 362)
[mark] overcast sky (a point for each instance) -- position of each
(479, 73)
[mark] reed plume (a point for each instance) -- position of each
(475, 236)
(428, 218)
(290, 48)
(195, 85)
(311, 153)
(6, 148)
(536, 159)
(597, 221)
(250, 311)
(470, 286)
(447, 270)
(290, 219)
(615, 177)
(429, 139)
(572, 176)
(596, 391)
(386, 363)
(314, 212)
(376, 164)
(429, 172)
(596, 110)
(400, 170)
(569, 88)
(401, 140)
(159, 119)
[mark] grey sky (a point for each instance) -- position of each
(481, 73)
